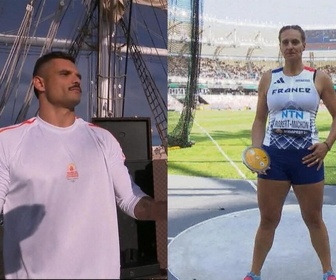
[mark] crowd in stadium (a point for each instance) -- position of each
(330, 69)
(216, 72)
(215, 68)
(232, 70)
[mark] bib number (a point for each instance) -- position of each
(292, 122)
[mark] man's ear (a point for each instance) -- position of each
(304, 46)
(38, 83)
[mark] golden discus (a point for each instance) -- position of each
(256, 159)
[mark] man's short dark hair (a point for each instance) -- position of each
(48, 57)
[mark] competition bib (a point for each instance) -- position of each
(292, 122)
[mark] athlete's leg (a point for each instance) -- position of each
(310, 198)
(271, 197)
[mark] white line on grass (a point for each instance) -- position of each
(228, 159)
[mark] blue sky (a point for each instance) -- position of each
(149, 25)
(302, 12)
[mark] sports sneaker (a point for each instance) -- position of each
(329, 275)
(252, 276)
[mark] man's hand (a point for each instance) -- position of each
(149, 209)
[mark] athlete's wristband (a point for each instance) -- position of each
(327, 145)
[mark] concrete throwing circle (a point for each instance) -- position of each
(221, 248)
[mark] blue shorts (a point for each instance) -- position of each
(286, 165)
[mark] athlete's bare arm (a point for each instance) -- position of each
(149, 209)
(325, 87)
(259, 123)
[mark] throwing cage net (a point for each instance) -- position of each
(184, 41)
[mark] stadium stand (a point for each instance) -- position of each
(234, 56)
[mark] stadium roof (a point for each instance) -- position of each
(238, 39)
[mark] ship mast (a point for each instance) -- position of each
(103, 30)
(110, 97)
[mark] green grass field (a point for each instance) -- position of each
(231, 130)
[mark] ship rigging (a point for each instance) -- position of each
(108, 36)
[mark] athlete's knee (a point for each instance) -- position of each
(313, 219)
(269, 221)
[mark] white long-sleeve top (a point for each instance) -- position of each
(59, 188)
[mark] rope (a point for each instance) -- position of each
(150, 36)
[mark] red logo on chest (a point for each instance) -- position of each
(72, 173)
